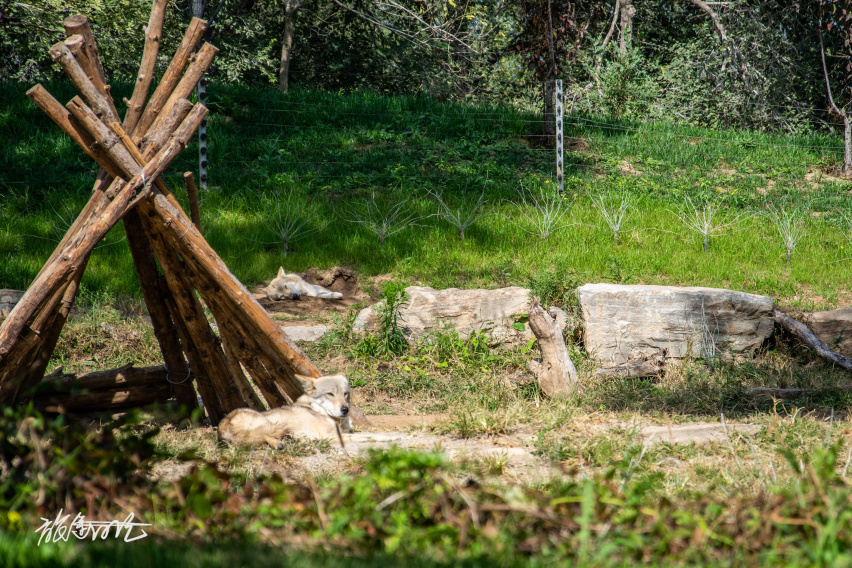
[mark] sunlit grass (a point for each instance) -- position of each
(330, 149)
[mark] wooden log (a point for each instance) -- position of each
(153, 294)
(199, 66)
(556, 374)
(102, 134)
(50, 333)
(71, 126)
(206, 358)
(100, 104)
(178, 284)
(107, 400)
(260, 362)
(273, 390)
(79, 24)
(127, 376)
(248, 395)
(192, 196)
(153, 33)
(801, 332)
(59, 272)
(78, 48)
(201, 258)
(170, 78)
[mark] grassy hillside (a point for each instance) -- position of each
(328, 153)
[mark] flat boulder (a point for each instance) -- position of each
(621, 319)
(834, 328)
(453, 309)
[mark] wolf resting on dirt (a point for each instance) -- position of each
(317, 414)
(293, 286)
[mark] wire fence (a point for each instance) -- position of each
(504, 137)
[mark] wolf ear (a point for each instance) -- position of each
(307, 383)
(281, 271)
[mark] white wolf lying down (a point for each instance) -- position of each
(317, 414)
(293, 286)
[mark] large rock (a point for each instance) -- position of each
(684, 321)
(8, 299)
(464, 311)
(834, 328)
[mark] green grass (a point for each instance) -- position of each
(330, 149)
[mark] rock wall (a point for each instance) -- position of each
(619, 319)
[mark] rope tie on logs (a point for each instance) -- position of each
(168, 374)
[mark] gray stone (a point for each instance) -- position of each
(364, 319)
(305, 332)
(464, 311)
(834, 328)
(619, 319)
(8, 299)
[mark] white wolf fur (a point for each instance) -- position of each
(294, 287)
(317, 414)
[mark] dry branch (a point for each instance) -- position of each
(806, 336)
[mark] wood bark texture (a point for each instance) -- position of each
(556, 374)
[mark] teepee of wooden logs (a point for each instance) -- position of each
(172, 259)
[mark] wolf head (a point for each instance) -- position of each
(328, 395)
(282, 288)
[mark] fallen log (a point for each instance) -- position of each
(556, 374)
(115, 389)
(801, 332)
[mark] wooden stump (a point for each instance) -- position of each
(556, 373)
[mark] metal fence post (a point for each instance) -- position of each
(560, 179)
(197, 8)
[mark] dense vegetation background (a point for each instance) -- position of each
(669, 59)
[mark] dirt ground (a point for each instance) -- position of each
(513, 455)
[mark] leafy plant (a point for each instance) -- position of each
(464, 216)
(389, 340)
(704, 220)
(614, 211)
(289, 217)
(791, 224)
(381, 218)
(543, 211)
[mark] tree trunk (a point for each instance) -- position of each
(549, 129)
(291, 7)
(625, 34)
